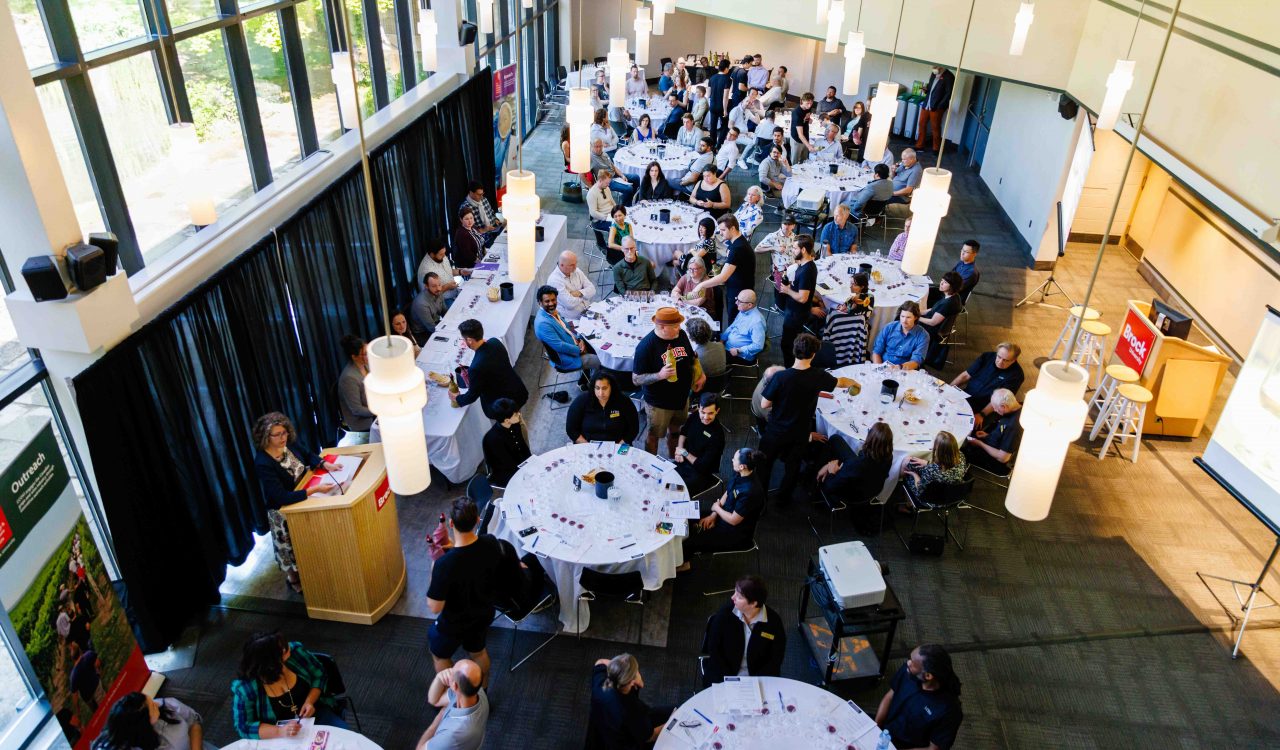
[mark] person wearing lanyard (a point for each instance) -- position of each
(605, 413)
(922, 707)
(701, 446)
(744, 637)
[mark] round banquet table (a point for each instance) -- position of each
(655, 106)
(577, 530)
(339, 739)
(839, 187)
(659, 242)
(941, 407)
(892, 289)
(606, 323)
(797, 714)
(633, 159)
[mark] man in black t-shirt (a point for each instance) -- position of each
(797, 296)
(664, 369)
(718, 103)
(738, 80)
(800, 129)
(993, 445)
(922, 707)
(462, 588)
(738, 271)
(992, 370)
(792, 395)
(701, 446)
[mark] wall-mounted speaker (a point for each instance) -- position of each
(1067, 107)
(87, 266)
(110, 245)
(46, 277)
(467, 33)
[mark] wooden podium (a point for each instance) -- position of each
(1183, 376)
(348, 546)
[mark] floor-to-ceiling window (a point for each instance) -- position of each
(539, 38)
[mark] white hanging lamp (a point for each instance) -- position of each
(397, 392)
(1052, 417)
(883, 107)
(854, 51)
(929, 203)
(348, 108)
(1118, 84)
(823, 6)
(188, 159)
(643, 25)
(1021, 25)
(578, 114)
(835, 20)
(526, 3)
(660, 10)
(618, 61)
(520, 204)
(484, 16)
(427, 31)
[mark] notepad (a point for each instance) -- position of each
(738, 695)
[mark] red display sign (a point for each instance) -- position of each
(381, 494)
(1135, 342)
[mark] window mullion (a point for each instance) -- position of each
(295, 64)
(172, 83)
(255, 141)
(408, 44)
(373, 45)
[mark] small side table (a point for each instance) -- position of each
(857, 658)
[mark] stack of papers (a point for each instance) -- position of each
(341, 479)
(738, 695)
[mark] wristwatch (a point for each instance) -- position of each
(683, 452)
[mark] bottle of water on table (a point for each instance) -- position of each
(885, 741)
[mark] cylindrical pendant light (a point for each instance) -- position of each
(929, 203)
(526, 3)
(484, 16)
(347, 106)
(397, 392)
(643, 25)
(188, 160)
(854, 51)
(1051, 419)
(823, 5)
(883, 107)
(618, 61)
(521, 207)
(1021, 25)
(578, 114)
(1118, 84)
(835, 20)
(660, 10)
(427, 30)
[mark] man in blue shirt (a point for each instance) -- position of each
(968, 267)
(744, 338)
(906, 177)
(571, 351)
(902, 344)
(839, 235)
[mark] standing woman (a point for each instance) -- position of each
(468, 245)
(280, 463)
(138, 723)
(855, 133)
(654, 185)
(712, 193)
(644, 129)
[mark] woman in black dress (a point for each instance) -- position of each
(712, 193)
(468, 246)
(653, 186)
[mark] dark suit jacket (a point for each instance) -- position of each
(491, 377)
(277, 485)
(765, 650)
(939, 98)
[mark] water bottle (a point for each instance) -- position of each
(884, 742)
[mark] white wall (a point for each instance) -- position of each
(1027, 156)
(1106, 176)
(683, 33)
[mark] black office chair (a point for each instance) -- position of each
(337, 686)
(627, 587)
(940, 499)
(538, 596)
(755, 547)
(480, 492)
(559, 380)
(601, 60)
(704, 653)
(872, 212)
(663, 63)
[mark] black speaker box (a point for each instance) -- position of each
(467, 33)
(45, 278)
(1067, 107)
(110, 245)
(87, 266)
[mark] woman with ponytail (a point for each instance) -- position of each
(138, 723)
(620, 719)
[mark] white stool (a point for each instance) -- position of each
(1091, 348)
(1125, 417)
(1065, 336)
(1116, 376)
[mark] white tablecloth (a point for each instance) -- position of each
(634, 158)
(839, 187)
(454, 434)
(577, 530)
(606, 322)
(659, 242)
(656, 106)
(798, 715)
(941, 407)
(339, 739)
(892, 289)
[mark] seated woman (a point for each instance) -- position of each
(653, 186)
(618, 229)
(705, 249)
(468, 245)
(697, 273)
(947, 465)
(711, 354)
(619, 718)
(138, 723)
(400, 327)
(712, 193)
(751, 213)
(644, 129)
(280, 464)
(280, 680)
(858, 475)
(606, 413)
(936, 320)
(731, 524)
(505, 445)
(730, 651)
(844, 336)
(701, 446)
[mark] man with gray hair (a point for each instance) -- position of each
(574, 287)
(906, 176)
(464, 709)
(992, 446)
(618, 182)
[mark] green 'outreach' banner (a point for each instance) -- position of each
(28, 488)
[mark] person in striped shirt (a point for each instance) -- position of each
(844, 338)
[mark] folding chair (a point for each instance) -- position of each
(627, 587)
(557, 380)
(940, 499)
(337, 686)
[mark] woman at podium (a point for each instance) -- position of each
(280, 463)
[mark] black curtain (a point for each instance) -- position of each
(410, 211)
(167, 415)
(462, 142)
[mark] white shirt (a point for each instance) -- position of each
(746, 639)
(688, 136)
(727, 155)
(443, 269)
(606, 134)
(571, 307)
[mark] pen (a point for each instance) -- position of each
(535, 542)
(704, 717)
(627, 545)
(781, 703)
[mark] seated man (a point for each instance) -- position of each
(922, 707)
(570, 351)
(618, 182)
(840, 235)
(833, 148)
(701, 446)
(906, 176)
(437, 260)
(902, 343)
(731, 524)
(464, 709)
(744, 338)
(700, 162)
(993, 446)
(671, 126)
(879, 190)
(992, 370)
(633, 273)
(575, 287)
(689, 134)
(429, 306)
(727, 156)
(505, 446)
(968, 267)
(745, 637)
(488, 223)
(774, 171)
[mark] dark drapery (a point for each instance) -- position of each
(462, 140)
(168, 413)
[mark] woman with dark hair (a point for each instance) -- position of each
(855, 133)
(858, 475)
(280, 680)
(845, 334)
(731, 524)
(712, 193)
(606, 413)
(935, 319)
(138, 723)
(280, 464)
(653, 186)
(730, 651)
(946, 465)
(505, 445)
(705, 248)
(468, 245)
(620, 719)
(922, 707)
(644, 129)
(400, 327)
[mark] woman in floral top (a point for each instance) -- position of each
(899, 245)
(705, 249)
(947, 465)
(751, 212)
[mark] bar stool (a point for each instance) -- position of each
(1125, 417)
(1091, 347)
(1065, 336)
(1116, 376)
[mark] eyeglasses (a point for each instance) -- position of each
(278, 433)
(743, 302)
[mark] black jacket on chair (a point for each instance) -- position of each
(277, 485)
(765, 650)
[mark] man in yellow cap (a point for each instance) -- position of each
(666, 373)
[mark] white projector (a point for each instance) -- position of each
(853, 574)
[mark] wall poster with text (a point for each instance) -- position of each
(504, 120)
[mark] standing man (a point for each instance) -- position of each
(797, 296)
(739, 269)
(490, 375)
(464, 709)
(352, 405)
(488, 223)
(575, 287)
(718, 91)
(758, 75)
(800, 128)
(664, 370)
(738, 87)
(937, 99)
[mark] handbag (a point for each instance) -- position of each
(438, 540)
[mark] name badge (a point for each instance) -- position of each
(615, 414)
(706, 434)
(767, 636)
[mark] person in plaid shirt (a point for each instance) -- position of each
(279, 681)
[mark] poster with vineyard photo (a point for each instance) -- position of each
(504, 119)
